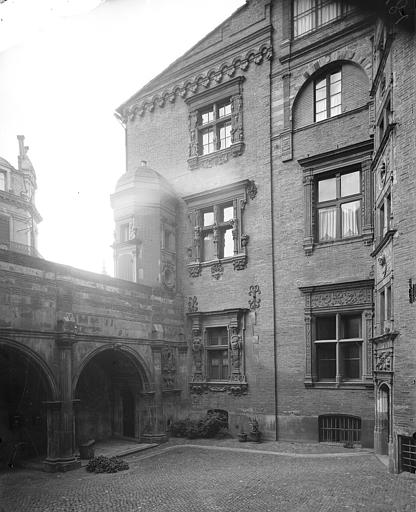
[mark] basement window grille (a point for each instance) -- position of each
(339, 429)
(407, 454)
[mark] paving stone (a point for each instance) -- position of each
(183, 478)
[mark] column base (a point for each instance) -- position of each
(60, 465)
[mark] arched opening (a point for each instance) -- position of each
(383, 419)
(108, 390)
(24, 388)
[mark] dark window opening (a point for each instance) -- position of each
(217, 353)
(339, 429)
(407, 454)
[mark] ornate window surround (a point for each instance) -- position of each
(356, 156)
(234, 321)
(231, 90)
(237, 194)
(344, 298)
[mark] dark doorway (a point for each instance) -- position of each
(108, 390)
(23, 389)
(127, 400)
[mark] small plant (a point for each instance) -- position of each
(103, 464)
(255, 434)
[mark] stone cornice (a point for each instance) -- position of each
(21, 203)
(195, 84)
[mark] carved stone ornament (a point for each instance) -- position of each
(384, 361)
(192, 304)
(240, 262)
(193, 134)
(193, 84)
(254, 300)
(244, 240)
(341, 298)
(251, 189)
(217, 270)
(169, 275)
(237, 118)
(168, 368)
(194, 269)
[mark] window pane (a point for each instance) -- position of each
(227, 213)
(327, 189)
(124, 232)
(321, 116)
(335, 77)
(207, 141)
(304, 19)
(327, 224)
(320, 94)
(329, 11)
(209, 218)
(228, 243)
(320, 106)
(225, 136)
(209, 249)
(350, 184)
(225, 110)
(335, 111)
(326, 360)
(326, 328)
(351, 360)
(350, 219)
(350, 326)
(217, 336)
(335, 87)
(218, 364)
(335, 100)
(207, 116)
(2, 181)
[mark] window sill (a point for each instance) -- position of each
(346, 384)
(232, 387)
(310, 247)
(239, 262)
(217, 157)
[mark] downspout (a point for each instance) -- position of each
(273, 236)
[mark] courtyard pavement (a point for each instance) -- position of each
(220, 476)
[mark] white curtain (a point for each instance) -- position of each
(329, 11)
(303, 17)
(350, 219)
(327, 224)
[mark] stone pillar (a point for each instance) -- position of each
(308, 238)
(60, 414)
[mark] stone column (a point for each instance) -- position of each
(60, 415)
(308, 238)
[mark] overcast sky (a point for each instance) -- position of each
(65, 65)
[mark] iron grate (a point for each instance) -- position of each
(339, 428)
(407, 454)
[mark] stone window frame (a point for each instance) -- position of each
(340, 298)
(3, 181)
(354, 157)
(235, 321)
(197, 203)
(231, 91)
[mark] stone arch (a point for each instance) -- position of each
(34, 357)
(135, 358)
(27, 385)
(112, 385)
(339, 56)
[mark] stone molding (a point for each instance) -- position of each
(197, 83)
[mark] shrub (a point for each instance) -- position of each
(103, 464)
(206, 427)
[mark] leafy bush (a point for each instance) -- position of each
(103, 464)
(206, 427)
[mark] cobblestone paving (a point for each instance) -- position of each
(190, 479)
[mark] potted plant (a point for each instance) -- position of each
(255, 434)
(242, 436)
